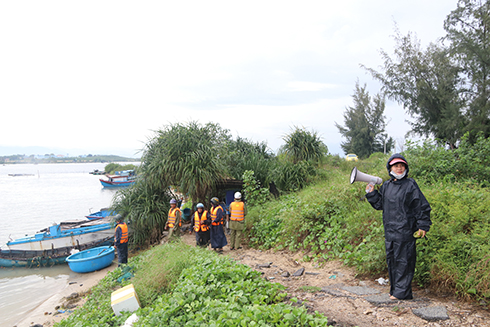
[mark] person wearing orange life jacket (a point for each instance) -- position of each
(173, 220)
(218, 238)
(200, 222)
(238, 211)
(121, 240)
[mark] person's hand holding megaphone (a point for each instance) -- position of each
(369, 187)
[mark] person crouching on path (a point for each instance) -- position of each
(238, 211)
(173, 220)
(121, 240)
(405, 211)
(201, 221)
(218, 238)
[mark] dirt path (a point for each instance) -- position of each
(333, 290)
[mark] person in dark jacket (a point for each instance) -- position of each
(405, 211)
(121, 240)
(218, 238)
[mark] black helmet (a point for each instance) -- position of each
(215, 201)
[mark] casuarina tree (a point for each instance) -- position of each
(365, 125)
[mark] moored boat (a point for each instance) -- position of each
(96, 172)
(103, 213)
(120, 178)
(54, 244)
(91, 259)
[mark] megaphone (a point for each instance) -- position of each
(357, 176)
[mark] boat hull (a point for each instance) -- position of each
(54, 244)
(115, 184)
(46, 258)
(34, 262)
(91, 259)
(74, 239)
(103, 213)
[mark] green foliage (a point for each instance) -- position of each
(303, 145)
(187, 156)
(97, 311)
(468, 42)
(365, 125)
(145, 208)
(181, 285)
(290, 176)
(152, 283)
(215, 291)
(467, 163)
(243, 155)
(113, 167)
(254, 194)
(330, 219)
(425, 82)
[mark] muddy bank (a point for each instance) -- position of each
(52, 310)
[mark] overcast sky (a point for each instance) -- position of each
(101, 76)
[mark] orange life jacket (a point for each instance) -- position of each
(199, 222)
(237, 210)
(214, 214)
(172, 216)
(124, 231)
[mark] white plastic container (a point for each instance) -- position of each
(125, 299)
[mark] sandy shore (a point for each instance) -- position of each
(45, 314)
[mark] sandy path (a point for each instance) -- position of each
(342, 307)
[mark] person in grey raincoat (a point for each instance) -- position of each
(405, 211)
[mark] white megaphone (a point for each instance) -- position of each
(357, 176)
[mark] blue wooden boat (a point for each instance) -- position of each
(121, 178)
(11, 259)
(103, 213)
(91, 259)
(54, 244)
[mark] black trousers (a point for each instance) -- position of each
(122, 252)
(202, 238)
(401, 258)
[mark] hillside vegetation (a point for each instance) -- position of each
(331, 219)
(327, 219)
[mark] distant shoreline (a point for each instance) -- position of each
(19, 159)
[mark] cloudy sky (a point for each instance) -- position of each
(101, 76)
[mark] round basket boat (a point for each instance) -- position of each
(92, 259)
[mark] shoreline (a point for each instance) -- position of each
(45, 313)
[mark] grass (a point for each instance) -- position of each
(181, 285)
(330, 219)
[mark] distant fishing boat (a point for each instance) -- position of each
(97, 172)
(121, 178)
(54, 244)
(18, 175)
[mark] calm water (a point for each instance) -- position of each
(28, 204)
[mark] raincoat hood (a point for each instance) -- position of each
(397, 156)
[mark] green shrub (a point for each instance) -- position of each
(290, 176)
(215, 291)
(159, 269)
(97, 311)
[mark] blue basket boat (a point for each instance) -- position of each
(92, 259)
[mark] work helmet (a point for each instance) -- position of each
(173, 201)
(200, 205)
(215, 201)
(238, 195)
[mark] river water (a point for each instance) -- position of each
(53, 192)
